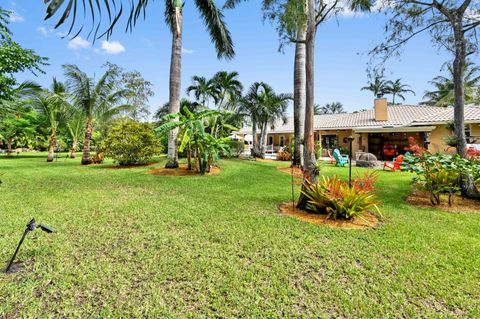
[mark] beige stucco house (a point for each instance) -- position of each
(384, 130)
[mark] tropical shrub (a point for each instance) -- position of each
(318, 149)
(440, 173)
(131, 143)
(340, 200)
(235, 148)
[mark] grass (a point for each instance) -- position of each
(129, 244)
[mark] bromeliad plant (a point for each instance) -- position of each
(337, 199)
(441, 174)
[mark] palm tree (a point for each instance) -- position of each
(212, 17)
(396, 88)
(75, 124)
(52, 106)
(228, 87)
(99, 101)
(203, 90)
(329, 108)
(267, 108)
(444, 94)
(378, 86)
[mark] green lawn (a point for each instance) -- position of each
(129, 244)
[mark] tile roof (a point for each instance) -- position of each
(398, 116)
(472, 113)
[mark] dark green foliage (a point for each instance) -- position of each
(131, 143)
(235, 148)
(14, 58)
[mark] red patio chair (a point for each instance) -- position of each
(396, 164)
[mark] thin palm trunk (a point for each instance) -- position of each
(175, 85)
(254, 138)
(86, 159)
(263, 139)
(393, 98)
(299, 98)
(189, 157)
(51, 149)
(310, 168)
(73, 152)
(9, 146)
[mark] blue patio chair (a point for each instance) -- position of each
(341, 160)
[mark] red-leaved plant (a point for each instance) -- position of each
(337, 198)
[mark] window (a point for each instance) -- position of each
(329, 141)
(270, 140)
(282, 141)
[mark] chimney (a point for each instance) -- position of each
(380, 106)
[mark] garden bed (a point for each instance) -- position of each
(182, 170)
(421, 198)
(368, 220)
(129, 166)
(297, 173)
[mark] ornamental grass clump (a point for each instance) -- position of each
(337, 199)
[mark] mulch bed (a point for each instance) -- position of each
(421, 198)
(181, 171)
(297, 173)
(129, 166)
(368, 220)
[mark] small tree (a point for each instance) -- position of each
(131, 143)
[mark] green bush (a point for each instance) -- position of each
(131, 143)
(235, 148)
(440, 173)
(338, 199)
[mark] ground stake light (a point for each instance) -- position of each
(31, 226)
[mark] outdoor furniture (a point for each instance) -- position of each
(388, 150)
(339, 159)
(332, 159)
(396, 164)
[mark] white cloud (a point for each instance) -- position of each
(187, 51)
(44, 31)
(78, 43)
(114, 47)
(15, 17)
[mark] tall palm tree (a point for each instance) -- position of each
(211, 15)
(203, 90)
(444, 94)
(75, 124)
(378, 86)
(52, 106)
(267, 108)
(99, 101)
(228, 87)
(396, 88)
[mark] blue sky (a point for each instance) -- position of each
(341, 52)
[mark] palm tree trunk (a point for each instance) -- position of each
(51, 149)
(73, 152)
(310, 168)
(468, 186)
(254, 138)
(393, 98)
(299, 97)
(175, 85)
(9, 146)
(263, 139)
(86, 159)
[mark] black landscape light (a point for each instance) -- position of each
(31, 226)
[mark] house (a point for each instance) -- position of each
(385, 130)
